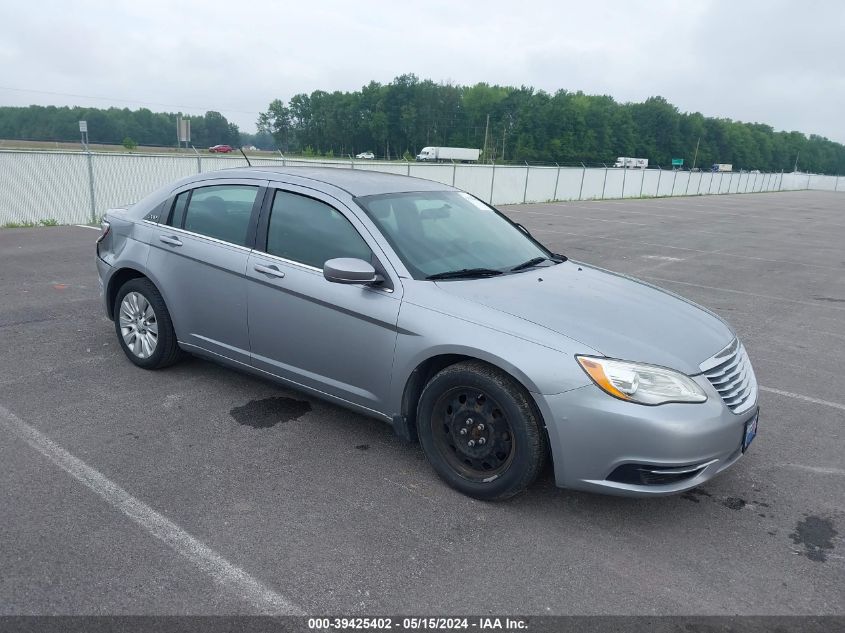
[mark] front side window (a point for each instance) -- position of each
(311, 232)
(220, 211)
(434, 232)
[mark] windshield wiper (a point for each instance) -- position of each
(533, 262)
(466, 273)
(556, 258)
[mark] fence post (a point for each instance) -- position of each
(808, 181)
(686, 189)
(91, 188)
(659, 174)
(674, 178)
(642, 181)
(492, 181)
(624, 174)
(557, 180)
(454, 169)
(604, 184)
(352, 163)
(199, 160)
(780, 183)
(754, 186)
(836, 186)
(284, 162)
(710, 184)
(583, 173)
(525, 188)
(731, 181)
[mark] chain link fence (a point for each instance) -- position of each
(78, 187)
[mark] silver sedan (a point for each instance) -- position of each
(418, 304)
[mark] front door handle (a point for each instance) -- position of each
(272, 271)
(173, 241)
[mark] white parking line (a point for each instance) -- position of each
(230, 577)
(87, 226)
(741, 292)
(683, 248)
(798, 396)
(821, 470)
(663, 258)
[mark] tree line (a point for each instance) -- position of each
(516, 125)
(113, 126)
(510, 124)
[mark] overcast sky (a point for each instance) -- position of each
(776, 62)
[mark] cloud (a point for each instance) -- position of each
(774, 62)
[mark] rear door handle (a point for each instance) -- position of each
(272, 271)
(173, 241)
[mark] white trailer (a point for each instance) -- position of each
(723, 167)
(457, 154)
(631, 163)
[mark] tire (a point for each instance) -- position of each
(143, 325)
(476, 402)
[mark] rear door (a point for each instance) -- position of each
(198, 259)
(335, 338)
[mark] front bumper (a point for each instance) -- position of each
(597, 441)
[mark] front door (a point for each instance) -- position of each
(335, 338)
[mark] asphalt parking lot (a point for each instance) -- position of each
(328, 512)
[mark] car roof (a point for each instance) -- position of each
(356, 182)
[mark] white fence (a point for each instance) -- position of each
(75, 187)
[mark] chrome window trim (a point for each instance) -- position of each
(289, 261)
(167, 227)
(313, 269)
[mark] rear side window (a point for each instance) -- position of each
(221, 211)
(310, 232)
(179, 205)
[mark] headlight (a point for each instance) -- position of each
(636, 382)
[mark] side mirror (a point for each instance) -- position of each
(349, 270)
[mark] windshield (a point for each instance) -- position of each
(436, 232)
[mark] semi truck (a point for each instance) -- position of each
(722, 167)
(442, 154)
(631, 163)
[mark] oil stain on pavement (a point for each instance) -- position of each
(816, 534)
(268, 412)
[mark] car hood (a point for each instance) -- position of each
(619, 316)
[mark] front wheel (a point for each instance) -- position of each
(480, 431)
(143, 325)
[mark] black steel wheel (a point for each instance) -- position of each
(472, 433)
(480, 431)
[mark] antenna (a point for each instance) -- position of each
(245, 156)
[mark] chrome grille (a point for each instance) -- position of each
(731, 374)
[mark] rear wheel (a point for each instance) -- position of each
(143, 325)
(480, 431)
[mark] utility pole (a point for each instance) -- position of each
(486, 128)
(695, 157)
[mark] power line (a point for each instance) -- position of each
(135, 101)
